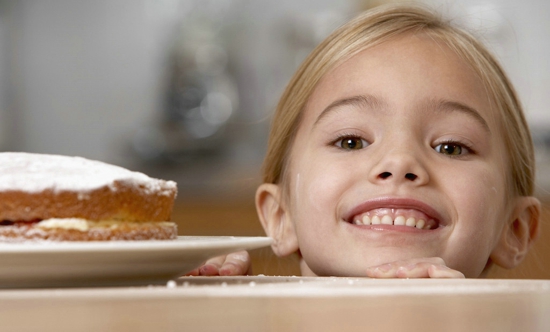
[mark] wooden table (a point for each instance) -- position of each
(285, 304)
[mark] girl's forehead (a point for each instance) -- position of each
(411, 66)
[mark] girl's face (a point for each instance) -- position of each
(398, 156)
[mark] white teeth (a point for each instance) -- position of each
(400, 220)
(387, 220)
(366, 220)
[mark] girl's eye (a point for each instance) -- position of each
(450, 149)
(351, 143)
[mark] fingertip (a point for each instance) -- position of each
(208, 270)
(227, 271)
(402, 272)
(374, 272)
(382, 271)
(193, 273)
(443, 271)
(370, 272)
(231, 269)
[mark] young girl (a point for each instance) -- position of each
(398, 149)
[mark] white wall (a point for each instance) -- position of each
(519, 33)
(86, 74)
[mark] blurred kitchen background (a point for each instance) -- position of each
(184, 89)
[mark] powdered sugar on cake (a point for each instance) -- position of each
(38, 172)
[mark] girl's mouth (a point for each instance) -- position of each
(396, 217)
(389, 212)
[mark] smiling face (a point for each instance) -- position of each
(398, 155)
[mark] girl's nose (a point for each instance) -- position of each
(408, 176)
(399, 167)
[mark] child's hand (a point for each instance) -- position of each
(432, 267)
(235, 264)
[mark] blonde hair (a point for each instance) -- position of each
(379, 25)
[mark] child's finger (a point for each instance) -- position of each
(193, 273)
(212, 266)
(418, 270)
(429, 267)
(382, 271)
(236, 264)
(391, 270)
(427, 270)
(442, 271)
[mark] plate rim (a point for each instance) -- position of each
(141, 262)
(180, 243)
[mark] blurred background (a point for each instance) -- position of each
(184, 90)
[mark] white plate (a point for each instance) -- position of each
(78, 264)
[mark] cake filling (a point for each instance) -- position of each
(78, 224)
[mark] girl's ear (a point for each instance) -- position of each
(518, 234)
(275, 219)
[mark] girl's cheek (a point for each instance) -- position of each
(316, 189)
(481, 207)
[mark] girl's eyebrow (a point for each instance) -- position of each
(361, 101)
(370, 101)
(455, 106)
